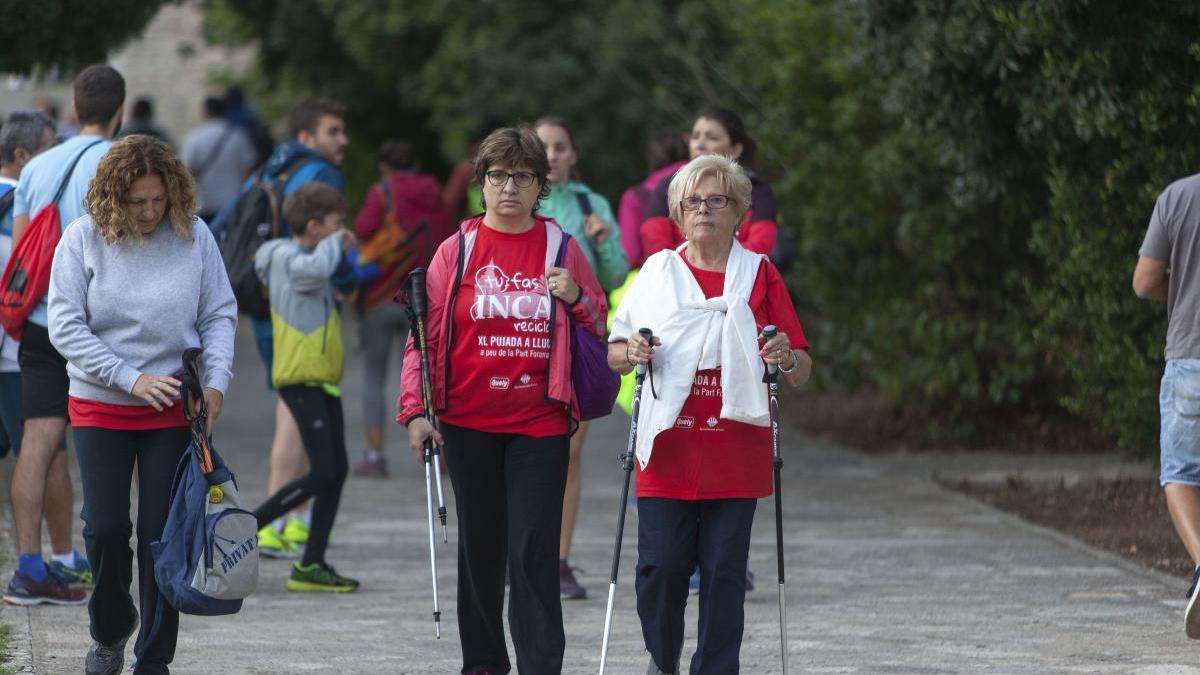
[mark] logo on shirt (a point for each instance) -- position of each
(711, 422)
(685, 422)
(525, 378)
(500, 296)
(500, 383)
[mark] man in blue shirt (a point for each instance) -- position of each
(313, 152)
(24, 136)
(99, 105)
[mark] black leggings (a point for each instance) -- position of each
(319, 417)
(106, 461)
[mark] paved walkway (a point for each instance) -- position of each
(888, 573)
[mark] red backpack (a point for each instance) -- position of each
(27, 276)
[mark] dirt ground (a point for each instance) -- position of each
(1126, 516)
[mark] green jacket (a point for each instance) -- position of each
(304, 315)
(608, 259)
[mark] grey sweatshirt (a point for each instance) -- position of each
(123, 310)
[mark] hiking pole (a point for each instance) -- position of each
(627, 467)
(771, 377)
(414, 292)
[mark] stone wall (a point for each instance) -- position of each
(171, 63)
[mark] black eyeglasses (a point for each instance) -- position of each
(714, 202)
(523, 179)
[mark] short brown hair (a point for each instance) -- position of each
(129, 159)
(311, 201)
(512, 147)
(307, 114)
(99, 93)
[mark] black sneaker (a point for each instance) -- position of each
(102, 660)
(1191, 616)
(23, 590)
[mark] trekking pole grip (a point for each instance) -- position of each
(648, 336)
(417, 299)
(772, 373)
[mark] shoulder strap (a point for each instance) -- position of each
(562, 250)
(387, 195)
(6, 202)
(212, 154)
(62, 187)
(585, 204)
(290, 170)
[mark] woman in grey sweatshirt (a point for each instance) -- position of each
(134, 283)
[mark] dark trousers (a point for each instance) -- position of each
(508, 493)
(323, 432)
(676, 536)
(106, 461)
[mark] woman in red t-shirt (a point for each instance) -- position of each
(715, 130)
(499, 352)
(704, 445)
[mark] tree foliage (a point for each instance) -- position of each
(969, 180)
(68, 34)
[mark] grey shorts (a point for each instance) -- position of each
(1179, 409)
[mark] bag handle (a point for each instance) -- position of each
(62, 187)
(198, 420)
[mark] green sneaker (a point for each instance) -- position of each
(79, 574)
(296, 531)
(319, 578)
(272, 545)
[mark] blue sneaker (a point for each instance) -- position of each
(78, 575)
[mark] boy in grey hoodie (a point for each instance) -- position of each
(307, 368)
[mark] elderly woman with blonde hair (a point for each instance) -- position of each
(704, 445)
(135, 282)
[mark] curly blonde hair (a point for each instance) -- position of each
(129, 159)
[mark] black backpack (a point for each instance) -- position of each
(256, 219)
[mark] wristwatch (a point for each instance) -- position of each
(795, 362)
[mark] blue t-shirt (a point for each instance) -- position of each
(40, 179)
(6, 215)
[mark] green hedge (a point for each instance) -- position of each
(969, 181)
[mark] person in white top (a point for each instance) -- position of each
(24, 135)
(220, 155)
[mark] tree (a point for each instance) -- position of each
(69, 34)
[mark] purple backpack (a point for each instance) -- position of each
(596, 385)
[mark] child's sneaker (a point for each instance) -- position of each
(296, 531)
(319, 578)
(79, 574)
(272, 545)
(1191, 616)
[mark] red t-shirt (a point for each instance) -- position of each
(85, 413)
(704, 456)
(500, 356)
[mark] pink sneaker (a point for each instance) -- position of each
(568, 587)
(371, 468)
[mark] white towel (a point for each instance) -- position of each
(697, 334)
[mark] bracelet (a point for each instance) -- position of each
(795, 362)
